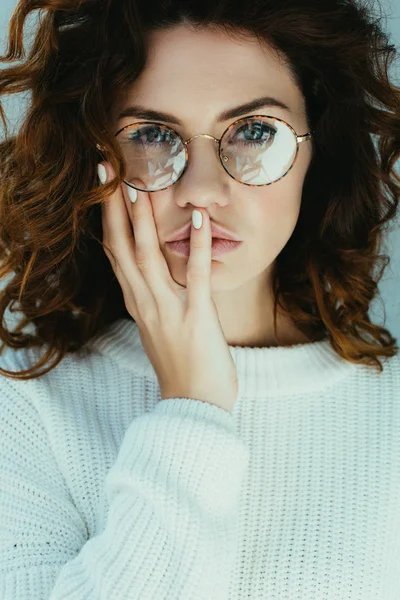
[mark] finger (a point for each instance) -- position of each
(118, 237)
(198, 274)
(149, 257)
(128, 296)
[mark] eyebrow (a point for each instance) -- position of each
(141, 112)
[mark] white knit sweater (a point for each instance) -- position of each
(108, 492)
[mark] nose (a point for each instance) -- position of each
(204, 181)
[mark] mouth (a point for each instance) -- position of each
(217, 232)
(188, 240)
(219, 246)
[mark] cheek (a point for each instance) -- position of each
(275, 217)
(280, 206)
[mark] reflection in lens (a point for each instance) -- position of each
(256, 151)
(153, 153)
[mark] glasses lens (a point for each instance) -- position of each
(153, 153)
(258, 150)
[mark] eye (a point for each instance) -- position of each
(152, 135)
(255, 133)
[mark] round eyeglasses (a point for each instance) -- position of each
(257, 150)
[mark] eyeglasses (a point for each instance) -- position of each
(257, 150)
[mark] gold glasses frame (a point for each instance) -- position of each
(299, 139)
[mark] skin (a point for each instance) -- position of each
(195, 76)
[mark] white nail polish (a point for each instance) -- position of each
(132, 193)
(197, 219)
(101, 170)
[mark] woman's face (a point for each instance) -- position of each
(195, 76)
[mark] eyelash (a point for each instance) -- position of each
(252, 143)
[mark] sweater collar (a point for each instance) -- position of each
(275, 370)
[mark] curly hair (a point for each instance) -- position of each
(50, 199)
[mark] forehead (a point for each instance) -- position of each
(198, 74)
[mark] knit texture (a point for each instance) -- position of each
(108, 492)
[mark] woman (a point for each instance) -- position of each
(211, 425)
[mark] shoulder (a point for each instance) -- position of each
(80, 384)
(383, 388)
(391, 367)
(66, 379)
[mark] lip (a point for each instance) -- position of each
(216, 232)
(219, 247)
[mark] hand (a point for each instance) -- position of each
(179, 327)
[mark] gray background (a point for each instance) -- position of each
(389, 285)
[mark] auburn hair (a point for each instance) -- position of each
(84, 53)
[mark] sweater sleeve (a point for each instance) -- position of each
(172, 492)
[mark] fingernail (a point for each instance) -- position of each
(132, 193)
(101, 170)
(197, 219)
